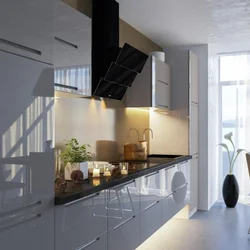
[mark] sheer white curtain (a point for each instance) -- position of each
(234, 84)
(78, 76)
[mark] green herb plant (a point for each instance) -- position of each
(75, 153)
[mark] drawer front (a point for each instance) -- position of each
(81, 221)
(150, 220)
(123, 202)
(33, 230)
(125, 236)
(150, 189)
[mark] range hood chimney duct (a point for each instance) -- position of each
(113, 69)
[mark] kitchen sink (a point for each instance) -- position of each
(164, 156)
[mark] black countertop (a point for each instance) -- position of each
(94, 185)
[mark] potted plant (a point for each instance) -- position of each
(230, 189)
(75, 157)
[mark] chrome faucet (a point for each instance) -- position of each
(144, 135)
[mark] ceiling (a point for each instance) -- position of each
(179, 22)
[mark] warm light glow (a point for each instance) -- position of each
(139, 109)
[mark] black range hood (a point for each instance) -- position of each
(113, 69)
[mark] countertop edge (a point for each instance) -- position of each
(84, 193)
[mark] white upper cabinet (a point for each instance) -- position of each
(27, 28)
(151, 88)
(193, 78)
(72, 50)
(161, 82)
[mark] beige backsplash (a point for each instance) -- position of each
(171, 134)
(91, 121)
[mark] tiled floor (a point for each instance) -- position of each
(219, 229)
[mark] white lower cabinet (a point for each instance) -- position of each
(176, 190)
(150, 220)
(80, 223)
(123, 202)
(126, 235)
(32, 229)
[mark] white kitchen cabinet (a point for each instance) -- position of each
(150, 220)
(72, 51)
(193, 78)
(78, 224)
(123, 202)
(150, 190)
(26, 105)
(27, 28)
(151, 88)
(125, 236)
(176, 195)
(193, 129)
(194, 183)
(34, 229)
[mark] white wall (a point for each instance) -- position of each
(90, 120)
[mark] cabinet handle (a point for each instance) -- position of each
(19, 221)
(65, 86)
(19, 46)
(80, 200)
(124, 222)
(164, 106)
(162, 82)
(21, 208)
(168, 195)
(124, 184)
(151, 205)
(90, 243)
(157, 172)
(184, 185)
(169, 167)
(183, 162)
(64, 42)
(195, 103)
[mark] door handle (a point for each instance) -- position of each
(21, 208)
(90, 243)
(151, 205)
(64, 42)
(19, 221)
(124, 222)
(21, 47)
(157, 172)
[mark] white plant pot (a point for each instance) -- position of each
(70, 167)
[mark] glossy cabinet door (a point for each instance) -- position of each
(150, 190)
(125, 236)
(176, 194)
(33, 229)
(150, 220)
(161, 84)
(26, 110)
(27, 28)
(79, 224)
(194, 183)
(72, 50)
(123, 202)
(193, 78)
(193, 129)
